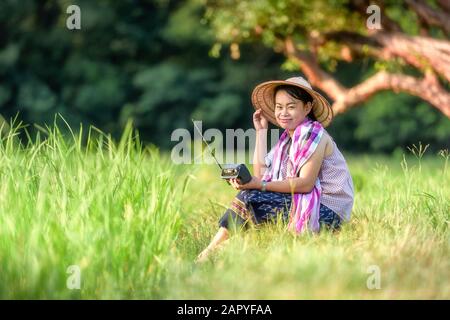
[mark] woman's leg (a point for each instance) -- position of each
(220, 237)
(229, 220)
(249, 206)
(329, 219)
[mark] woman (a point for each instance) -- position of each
(304, 179)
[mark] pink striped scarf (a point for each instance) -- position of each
(305, 206)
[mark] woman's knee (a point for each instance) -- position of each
(329, 219)
(231, 221)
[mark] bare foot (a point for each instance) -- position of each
(203, 256)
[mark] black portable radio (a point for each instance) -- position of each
(236, 171)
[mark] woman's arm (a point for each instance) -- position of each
(259, 165)
(308, 174)
(302, 184)
(261, 124)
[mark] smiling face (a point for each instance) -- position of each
(289, 111)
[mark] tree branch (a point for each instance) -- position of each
(421, 52)
(417, 50)
(427, 88)
(431, 16)
(315, 74)
(444, 5)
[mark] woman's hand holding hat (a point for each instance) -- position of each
(259, 121)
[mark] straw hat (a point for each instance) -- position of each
(263, 98)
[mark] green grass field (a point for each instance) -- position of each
(131, 224)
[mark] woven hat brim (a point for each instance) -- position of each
(263, 98)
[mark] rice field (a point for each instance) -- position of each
(97, 218)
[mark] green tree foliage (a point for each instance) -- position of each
(148, 60)
(325, 34)
(159, 63)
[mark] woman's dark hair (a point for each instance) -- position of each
(299, 94)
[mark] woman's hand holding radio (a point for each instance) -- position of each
(255, 183)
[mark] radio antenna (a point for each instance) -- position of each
(209, 149)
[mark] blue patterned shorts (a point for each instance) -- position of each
(258, 207)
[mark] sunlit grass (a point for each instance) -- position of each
(133, 223)
(112, 209)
